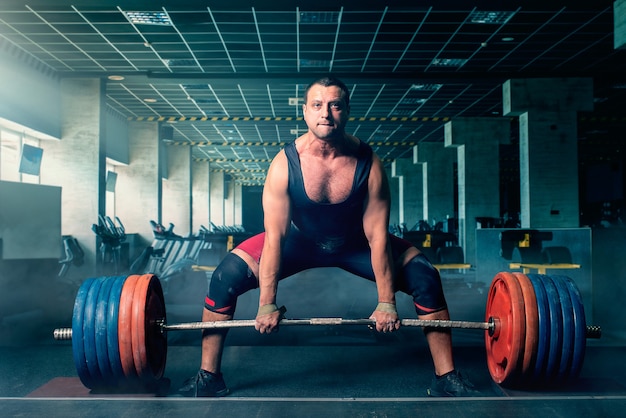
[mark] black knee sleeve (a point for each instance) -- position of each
(424, 285)
(231, 278)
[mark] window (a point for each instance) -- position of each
(111, 179)
(11, 144)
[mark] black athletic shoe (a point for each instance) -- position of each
(204, 385)
(451, 384)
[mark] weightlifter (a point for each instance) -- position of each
(326, 204)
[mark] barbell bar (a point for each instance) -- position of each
(239, 323)
(66, 333)
(535, 330)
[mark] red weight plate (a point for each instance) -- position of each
(505, 304)
(532, 325)
(155, 337)
(149, 343)
(140, 359)
(124, 326)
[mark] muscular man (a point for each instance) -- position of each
(326, 203)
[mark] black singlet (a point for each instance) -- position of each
(329, 227)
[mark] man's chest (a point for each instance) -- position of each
(328, 182)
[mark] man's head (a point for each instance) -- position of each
(326, 108)
(327, 82)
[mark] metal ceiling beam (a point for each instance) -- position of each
(252, 160)
(377, 119)
(277, 144)
(254, 79)
(589, 117)
(225, 160)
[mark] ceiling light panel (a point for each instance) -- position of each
(319, 17)
(426, 86)
(148, 18)
(491, 17)
(449, 62)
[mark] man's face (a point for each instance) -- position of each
(325, 111)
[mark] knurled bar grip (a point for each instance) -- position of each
(329, 321)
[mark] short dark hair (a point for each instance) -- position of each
(327, 82)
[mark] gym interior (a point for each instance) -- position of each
(135, 137)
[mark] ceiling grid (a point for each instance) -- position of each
(235, 73)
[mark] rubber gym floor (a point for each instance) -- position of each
(340, 371)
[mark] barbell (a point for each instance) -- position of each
(535, 330)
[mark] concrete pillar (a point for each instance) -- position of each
(177, 189)
(138, 188)
(216, 198)
(234, 213)
(77, 164)
(232, 199)
(438, 175)
(199, 195)
(410, 193)
(619, 24)
(477, 141)
(548, 147)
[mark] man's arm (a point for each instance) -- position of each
(277, 219)
(376, 227)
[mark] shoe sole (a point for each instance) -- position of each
(221, 393)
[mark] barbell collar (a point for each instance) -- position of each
(62, 334)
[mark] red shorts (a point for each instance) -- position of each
(253, 246)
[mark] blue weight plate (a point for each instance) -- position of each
(567, 314)
(101, 332)
(580, 327)
(112, 338)
(543, 345)
(89, 332)
(556, 328)
(78, 349)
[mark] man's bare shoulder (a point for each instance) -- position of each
(277, 175)
(280, 159)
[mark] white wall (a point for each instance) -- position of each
(30, 221)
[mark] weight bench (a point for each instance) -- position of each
(549, 258)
